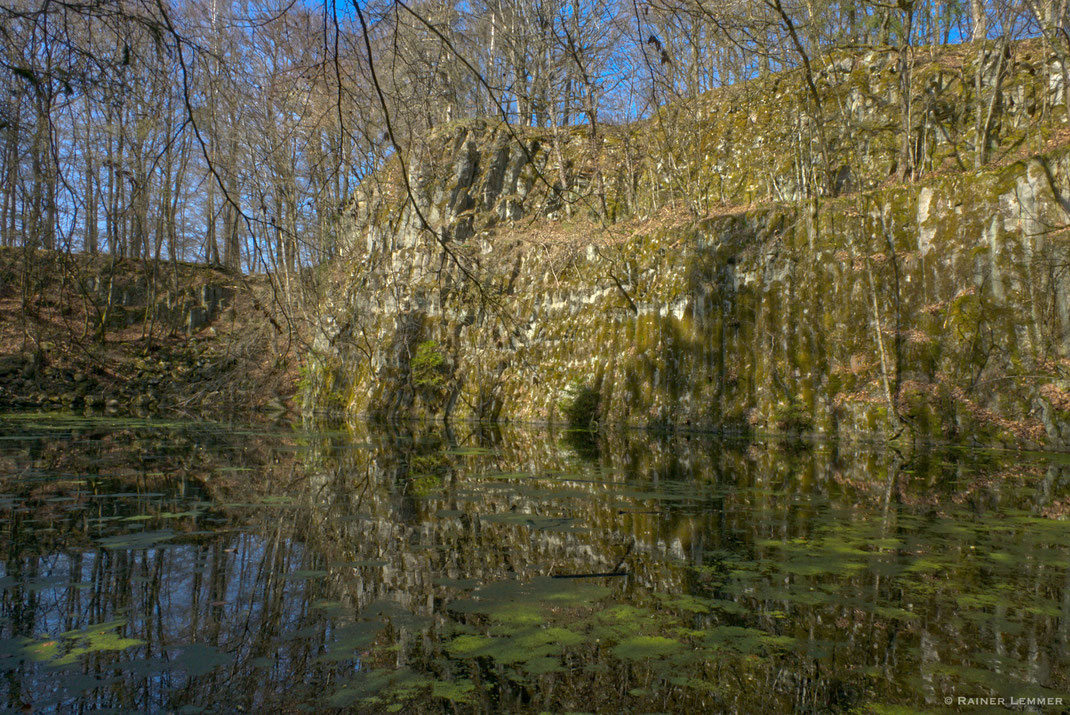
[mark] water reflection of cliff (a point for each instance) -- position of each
(414, 569)
(868, 577)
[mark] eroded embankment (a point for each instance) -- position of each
(84, 333)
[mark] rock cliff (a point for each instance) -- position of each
(721, 266)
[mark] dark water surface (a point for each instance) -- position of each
(165, 567)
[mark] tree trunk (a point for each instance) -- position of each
(979, 20)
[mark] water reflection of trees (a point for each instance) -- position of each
(825, 579)
(221, 621)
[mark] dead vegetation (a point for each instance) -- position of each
(129, 337)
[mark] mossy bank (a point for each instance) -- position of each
(551, 289)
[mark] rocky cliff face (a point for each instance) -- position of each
(575, 277)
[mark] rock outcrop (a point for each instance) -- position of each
(600, 277)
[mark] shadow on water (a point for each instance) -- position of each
(189, 567)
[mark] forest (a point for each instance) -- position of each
(235, 134)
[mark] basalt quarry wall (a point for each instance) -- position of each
(563, 280)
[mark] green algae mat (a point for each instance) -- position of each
(193, 567)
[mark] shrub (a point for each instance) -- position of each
(428, 366)
(579, 405)
(792, 417)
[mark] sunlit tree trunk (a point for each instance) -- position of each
(979, 20)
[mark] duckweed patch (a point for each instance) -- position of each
(70, 646)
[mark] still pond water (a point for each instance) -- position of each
(167, 567)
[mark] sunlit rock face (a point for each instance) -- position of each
(532, 269)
